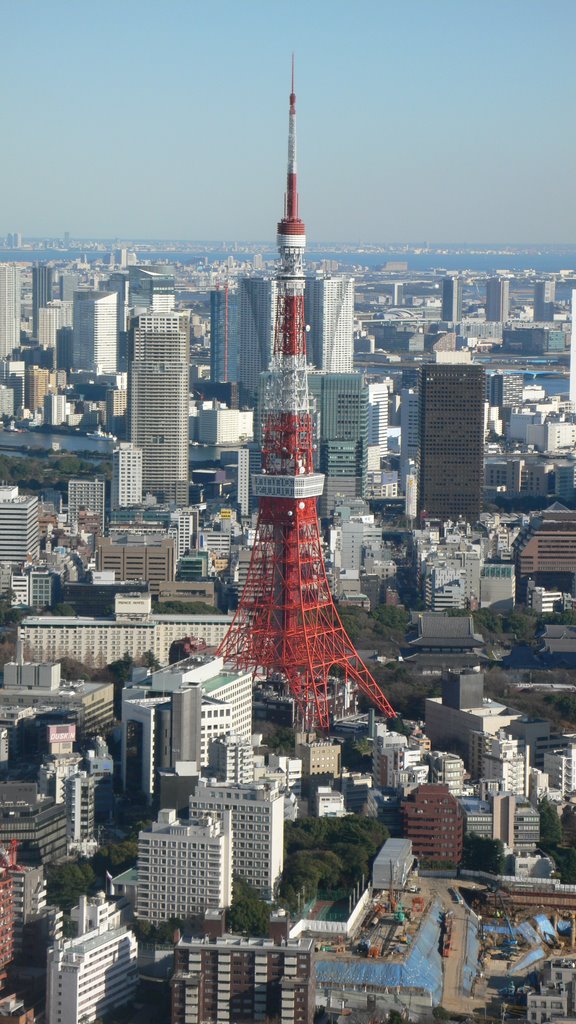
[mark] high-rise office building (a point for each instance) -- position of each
(544, 296)
(68, 284)
(378, 417)
(19, 529)
(504, 389)
(37, 383)
(397, 297)
(151, 289)
(451, 440)
(409, 431)
(118, 282)
(329, 312)
(452, 299)
(339, 403)
(42, 292)
(9, 309)
(223, 335)
(116, 406)
(497, 299)
(158, 390)
(51, 318)
(126, 476)
(95, 331)
(256, 315)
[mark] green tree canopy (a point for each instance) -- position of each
(249, 914)
(550, 826)
(483, 854)
(66, 883)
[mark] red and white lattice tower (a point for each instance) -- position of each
(286, 625)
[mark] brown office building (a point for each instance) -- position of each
(434, 820)
(230, 978)
(451, 449)
(138, 557)
(545, 551)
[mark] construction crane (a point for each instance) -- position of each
(511, 942)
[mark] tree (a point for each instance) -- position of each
(66, 883)
(64, 609)
(483, 854)
(550, 826)
(566, 861)
(249, 914)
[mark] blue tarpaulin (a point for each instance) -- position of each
(531, 958)
(528, 933)
(545, 927)
(421, 969)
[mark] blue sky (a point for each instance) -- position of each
(418, 120)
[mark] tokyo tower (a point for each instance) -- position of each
(286, 626)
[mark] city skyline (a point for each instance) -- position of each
(424, 135)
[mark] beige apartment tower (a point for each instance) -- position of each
(158, 393)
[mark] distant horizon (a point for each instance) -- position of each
(121, 243)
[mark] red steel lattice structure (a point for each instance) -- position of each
(286, 625)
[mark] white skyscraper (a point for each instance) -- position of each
(51, 318)
(126, 476)
(378, 417)
(55, 409)
(409, 427)
(329, 312)
(95, 331)
(9, 309)
(158, 392)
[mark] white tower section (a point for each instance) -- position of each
(573, 352)
(9, 309)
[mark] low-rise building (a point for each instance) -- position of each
(133, 629)
(319, 757)
(36, 822)
(329, 803)
(392, 864)
(447, 769)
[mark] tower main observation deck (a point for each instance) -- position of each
(286, 625)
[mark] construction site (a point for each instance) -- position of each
(464, 945)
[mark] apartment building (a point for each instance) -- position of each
(257, 812)
(95, 973)
(227, 978)
(133, 628)
(184, 867)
